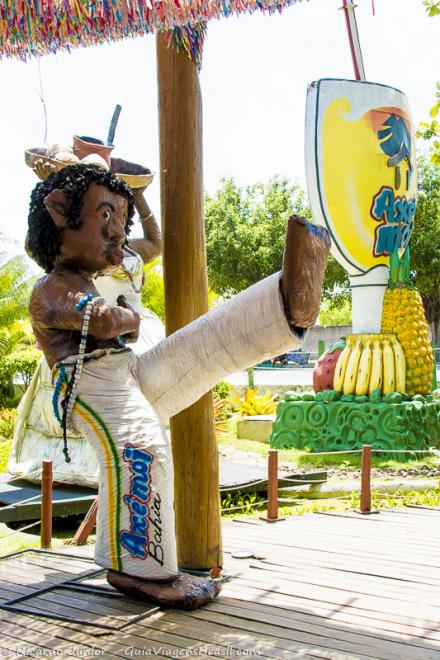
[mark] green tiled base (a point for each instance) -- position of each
(339, 425)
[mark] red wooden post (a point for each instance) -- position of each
(272, 487)
(87, 525)
(366, 480)
(46, 504)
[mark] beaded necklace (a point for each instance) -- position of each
(131, 280)
(87, 302)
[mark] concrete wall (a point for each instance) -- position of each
(330, 334)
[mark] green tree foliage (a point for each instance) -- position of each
(335, 315)
(15, 289)
(245, 229)
(153, 292)
(18, 359)
(336, 293)
(432, 7)
(425, 242)
(430, 130)
(245, 234)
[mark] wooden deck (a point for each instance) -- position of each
(326, 586)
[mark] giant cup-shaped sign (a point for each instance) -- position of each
(360, 165)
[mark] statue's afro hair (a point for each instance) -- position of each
(43, 239)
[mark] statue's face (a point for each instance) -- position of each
(96, 245)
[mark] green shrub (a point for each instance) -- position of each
(20, 364)
(153, 291)
(222, 389)
(7, 421)
(5, 450)
(238, 503)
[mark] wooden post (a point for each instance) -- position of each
(251, 378)
(46, 505)
(272, 487)
(197, 496)
(85, 529)
(365, 504)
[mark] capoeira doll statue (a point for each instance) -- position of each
(79, 220)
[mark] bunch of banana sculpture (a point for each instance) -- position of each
(370, 362)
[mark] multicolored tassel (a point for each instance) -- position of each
(39, 27)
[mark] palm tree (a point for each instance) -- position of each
(15, 331)
(15, 289)
(396, 143)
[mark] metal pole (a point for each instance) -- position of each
(353, 38)
(46, 504)
(366, 480)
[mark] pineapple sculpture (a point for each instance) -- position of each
(404, 316)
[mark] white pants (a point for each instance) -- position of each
(135, 526)
(123, 396)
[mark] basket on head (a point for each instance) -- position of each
(134, 175)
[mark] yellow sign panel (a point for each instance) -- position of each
(360, 158)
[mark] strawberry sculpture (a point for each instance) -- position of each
(324, 371)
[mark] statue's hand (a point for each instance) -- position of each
(305, 259)
(43, 169)
(138, 192)
(122, 302)
(140, 202)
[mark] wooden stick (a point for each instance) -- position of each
(46, 504)
(197, 495)
(85, 529)
(366, 480)
(272, 487)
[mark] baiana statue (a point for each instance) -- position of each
(79, 220)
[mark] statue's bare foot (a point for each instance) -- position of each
(185, 592)
(305, 258)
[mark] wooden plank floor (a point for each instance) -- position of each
(322, 586)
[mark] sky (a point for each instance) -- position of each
(254, 80)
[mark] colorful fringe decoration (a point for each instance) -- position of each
(189, 39)
(39, 27)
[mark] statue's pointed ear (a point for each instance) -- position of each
(57, 204)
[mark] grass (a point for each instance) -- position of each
(10, 542)
(305, 460)
(247, 504)
(300, 505)
(353, 461)
(63, 530)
